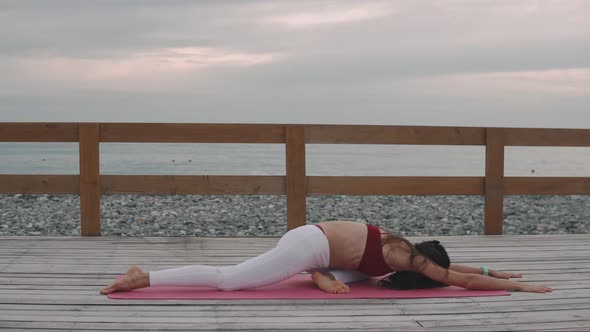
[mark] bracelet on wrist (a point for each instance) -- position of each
(485, 270)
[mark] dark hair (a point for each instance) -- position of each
(432, 250)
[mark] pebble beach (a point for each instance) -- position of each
(176, 215)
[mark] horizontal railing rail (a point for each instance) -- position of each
(296, 185)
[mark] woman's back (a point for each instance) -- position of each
(347, 243)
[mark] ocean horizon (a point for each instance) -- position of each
(269, 159)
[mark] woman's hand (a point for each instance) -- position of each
(504, 275)
(535, 288)
(523, 287)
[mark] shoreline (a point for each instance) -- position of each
(233, 215)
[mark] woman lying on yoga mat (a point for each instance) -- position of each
(335, 253)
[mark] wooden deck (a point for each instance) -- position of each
(49, 284)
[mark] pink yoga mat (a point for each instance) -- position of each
(297, 287)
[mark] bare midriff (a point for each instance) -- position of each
(347, 241)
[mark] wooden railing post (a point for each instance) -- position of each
(494, 181)
(89, 179)
(295, 179)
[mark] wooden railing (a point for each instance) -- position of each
(90, 185)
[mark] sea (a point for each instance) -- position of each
(269, 159)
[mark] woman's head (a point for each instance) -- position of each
(432, 250)
(435, 252)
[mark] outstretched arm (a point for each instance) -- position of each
(477, 281)
(479, 270)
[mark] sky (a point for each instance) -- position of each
(500, 63)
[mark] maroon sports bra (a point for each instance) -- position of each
(373, 263)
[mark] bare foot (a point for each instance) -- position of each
(334, 287)
(133, 279)
(327, 283)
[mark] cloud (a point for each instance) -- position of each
(144, 70)
(331, 14)
(568, 82)
(301, 61)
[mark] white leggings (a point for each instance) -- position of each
(302, 249)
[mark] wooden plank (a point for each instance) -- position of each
(298, 308)
(569, 325)
(295, 179)
(477, 242)
(547, 137)
(191, 133)
(394, 185)
(118, 268)
(38, 132)
(526, 266)
(464, 252)
(514, 306)
(189, 308)
(494, 182)
(89, 179)
(156, 254)
(193, 185)
(298, 325)
(97, 300)
(274, 133)
(503, 318)
(205, 314)
(365, 134)
(547, 185)
(39, 184)
(234, 255)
